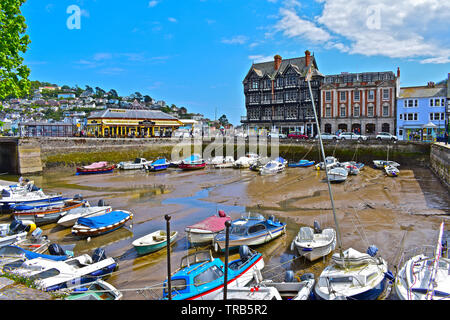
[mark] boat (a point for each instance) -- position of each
(274, 166)
(331, 162)
(97, 290)
(227, 162)
(425, 276)
(194, 162)
(201, 277)
(314, 243)
(69, 219)
(49, 215)
(301, 163)
(250, 230)
(216, 160)
(392, 171)
(344, 278)
(351, 168)
(96, 168)
(13, 232)
(157, 165)
(53, 275)
(380, 164)
(289, 289)
(259, 164)
(359, 165)
(337, 174)
(204, 231)
(138, 163)
(153, 242)
(31, 196)
(99, 225)
(246, 162)
(354, 276)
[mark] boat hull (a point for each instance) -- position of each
(83, 231)
(143, 248)
(107, 169)
(186, 166)
(312, 254)
(44, 217)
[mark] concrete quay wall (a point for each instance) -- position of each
(440, 162)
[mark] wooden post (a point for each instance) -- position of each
(227, 241)
(169, 277)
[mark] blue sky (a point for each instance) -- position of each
(195, 53)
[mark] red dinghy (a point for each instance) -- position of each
(96, 167)
(192, 166)
(205, 231)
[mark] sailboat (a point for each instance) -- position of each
(381, 164)
(425, 276)
(352, 274)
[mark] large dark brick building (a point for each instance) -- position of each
(277, 97)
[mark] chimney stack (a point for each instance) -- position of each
(398, 72)
(307, 57)
(277, 62)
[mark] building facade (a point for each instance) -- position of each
(421, 112)
(363, 103)
(131, 123)
(277, 97)
(46, 129)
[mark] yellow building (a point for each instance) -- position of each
(131, 123)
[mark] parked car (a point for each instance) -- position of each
(386, 136)
(277, 135)
(328, 136)
(297, 135)
(352, 136)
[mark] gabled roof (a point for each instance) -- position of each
(268, 68)
(131, 114)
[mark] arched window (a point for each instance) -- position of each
(370, 128)
(342, 126)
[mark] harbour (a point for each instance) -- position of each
(372, 209)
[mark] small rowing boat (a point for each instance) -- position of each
(96, 168)
(153, 242)
(99, 225)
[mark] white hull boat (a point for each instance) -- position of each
(380, 164)
(273, 167)
(138, 163)
(221, 162)
(71, 218)
(97, 290)
(246, 162)
(392, 171)
(314, 245)
(358, 276)
(337, 174)
(331, 162)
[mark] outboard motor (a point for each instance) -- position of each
(17, 226)
(37, 234)
(307, 276)
(372, 251)
(289, 276)
(78, 196)
(56, 250)
(244, 253)
(317, 228)
(34, 188)
(222, 214)
(98, 255)
(101, 203)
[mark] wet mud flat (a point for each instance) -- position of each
(395, 214)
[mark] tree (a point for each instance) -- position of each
(223, 120)
(13, 42)
(99, 92)
(147, 99)
(112, 94)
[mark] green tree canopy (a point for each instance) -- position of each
(13, 42)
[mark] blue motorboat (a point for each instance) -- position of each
(301, 163)
(250, 230)
(201, 277)
(158, 165)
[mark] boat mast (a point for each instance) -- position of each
(307, 78)
(437, 256)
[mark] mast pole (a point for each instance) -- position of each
(437, 257)
(338, 233)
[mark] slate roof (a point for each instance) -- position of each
(268, 68)
(423, 92)
(131, 114)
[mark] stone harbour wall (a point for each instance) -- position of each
(440, 162)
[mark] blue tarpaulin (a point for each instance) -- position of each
(159, 161)
(33, 255)
(103, 220)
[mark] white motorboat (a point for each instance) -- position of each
(331, 162)
(227, 162)
(51, 275)
(290, 289)
(246, 162)
(138, 163)
(71, 218)
(392, 171)
(13, 232)
(314, 243)
(337, 174)
(350, 167)
(31, 195)
(203, 232)
(380, 164)
(273, 167)
(354, 276)
(97, 290)
(425, 276)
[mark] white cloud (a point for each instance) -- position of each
(152, 3)
(415, 29)
(172, 20)
(261, 58)
(236, 40)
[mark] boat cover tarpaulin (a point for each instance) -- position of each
(213, 224)
(103, 220)
(160, 161)
(96, 165)
(33, 255)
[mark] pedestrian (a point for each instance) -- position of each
(446, 137)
